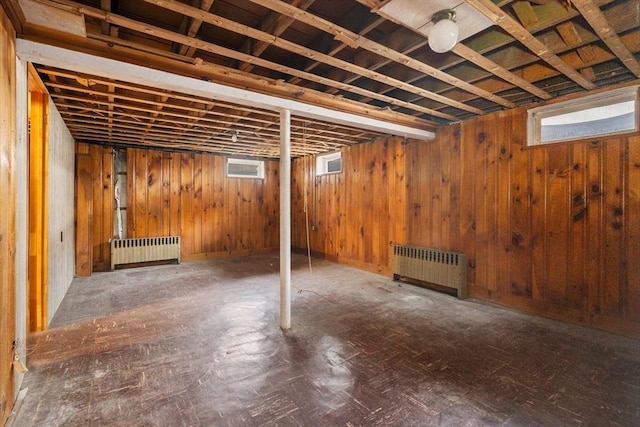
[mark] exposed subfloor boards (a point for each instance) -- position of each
(199, 344)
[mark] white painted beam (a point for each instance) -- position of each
(53, 56)
(285, 219)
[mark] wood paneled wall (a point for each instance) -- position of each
(354, 215)
(552, 230)
(8, 185)
(60, 235)
(184, 194)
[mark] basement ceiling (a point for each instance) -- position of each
(365, 57)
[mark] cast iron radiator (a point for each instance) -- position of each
(448, 269)
(144, 249)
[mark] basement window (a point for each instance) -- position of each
(244, 168)
(610, 113)
(329, 163)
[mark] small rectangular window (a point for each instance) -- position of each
(610, 113)
(329, 163)
(243, 168)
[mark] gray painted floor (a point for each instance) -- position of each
(198, 344)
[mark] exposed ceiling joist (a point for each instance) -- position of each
(318, 56)
(517, 31)
(598, 22)
(367, 58)
(356, 40)
(108, 68)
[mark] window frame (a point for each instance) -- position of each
(241, 161)
(322, 162)
(616, 96)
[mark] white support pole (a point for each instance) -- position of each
(285, 219)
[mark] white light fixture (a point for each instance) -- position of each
(234, 136)
(444, 34)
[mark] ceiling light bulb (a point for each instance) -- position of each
(444, 34)
(234, 137)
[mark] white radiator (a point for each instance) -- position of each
(144, 249)
(448, 269)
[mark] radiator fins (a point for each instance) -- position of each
(442, 268)
(144, 249)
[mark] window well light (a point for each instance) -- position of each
(444, 34)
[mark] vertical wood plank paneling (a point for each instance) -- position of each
(398, 194)
(84, 213)
(632, 299)
(131, 191)
(351, 223)
(448, 145)
(595, 225)
(175, 183)
(537, 171)
(336, 214)
(557, 224)
(495, 133)
(154, 194)
(187, 203)
(140, 192)
(576, 283)
(38, 211)
(102, 215)
(503, 245)
(231, 214)
(188, 195)
(482, 143)
(551, 230)
(219, 205)
(8, 144)
(524, 201)
(454, 188)
(467, 201)
(367, 188)
(345, 188)
(247, 215)
(273, 204)
(415, 227)
(435, 191)
(381, 239)
(166, 195)
(207, 193)
(613, 228)
(197, 204)
(108, 203)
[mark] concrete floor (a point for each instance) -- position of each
(198, 344)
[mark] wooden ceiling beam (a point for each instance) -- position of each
(220, 121)
(355, 40)
(317, 133)
(517, 31)
(519, 60)
(525, 13)
(106, 6)
(144, 56)
(174, 135)
(341, 45)
(182, 120)
(193, 27)
(499, 71)
(210, 47)
(292, 47)
(152, 91)
(275, 24)
(596, 19)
